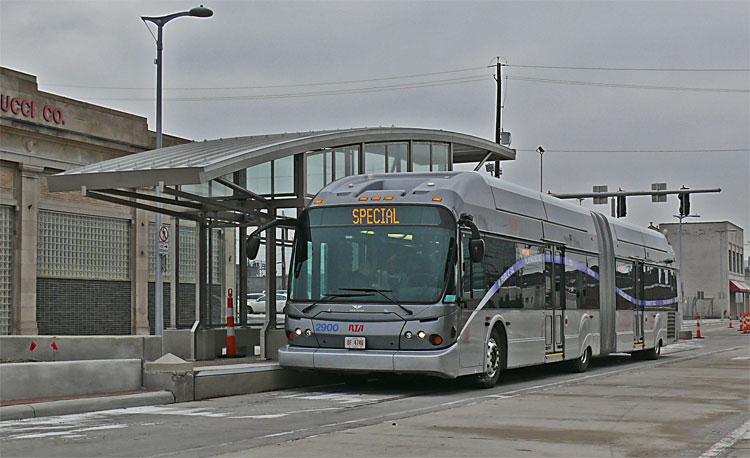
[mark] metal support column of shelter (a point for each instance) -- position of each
(201, 280)
(240, 179)
(270, 322)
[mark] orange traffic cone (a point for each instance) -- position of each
(746, 329)
(231, 339)
(730, 319)
(698, 323)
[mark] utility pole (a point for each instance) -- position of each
(498, 112)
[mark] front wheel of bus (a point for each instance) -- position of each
(493, 363)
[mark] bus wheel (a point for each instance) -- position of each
(582, 363)
(653, 353)
(493, 362)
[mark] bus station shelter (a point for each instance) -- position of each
(243, 182)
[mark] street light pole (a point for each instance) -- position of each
(682, 282)
(540, 150)
(160, 21)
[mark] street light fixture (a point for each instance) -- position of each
(160, 21)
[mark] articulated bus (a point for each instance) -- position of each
(461, 274)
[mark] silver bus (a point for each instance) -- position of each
(461, 274)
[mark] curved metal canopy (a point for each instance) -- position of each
(199, 162)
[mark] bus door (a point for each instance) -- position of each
(638, 314)
(554, 316)
(471, 342)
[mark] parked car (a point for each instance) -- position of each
(252, 297)
(259, 305)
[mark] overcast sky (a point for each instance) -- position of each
(96, 44)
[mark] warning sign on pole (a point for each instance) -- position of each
(164, 239)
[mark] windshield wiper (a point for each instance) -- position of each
(328, 297)
(382, 293)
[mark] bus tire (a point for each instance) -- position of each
(653, 353)
(581, 364)
(494, 361)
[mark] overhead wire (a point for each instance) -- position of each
(631, 69)
(444, 82)
(629, 86)
(278, 86)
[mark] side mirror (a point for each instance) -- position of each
(476, 250)
(252, 245)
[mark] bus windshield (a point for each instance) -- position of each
(405, 251)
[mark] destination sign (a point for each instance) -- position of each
(378, 215)
(370, 215)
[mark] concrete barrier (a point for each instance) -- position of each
(75, 348)
(217, 381)
(68, 378)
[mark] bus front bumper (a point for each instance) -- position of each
(443, 362)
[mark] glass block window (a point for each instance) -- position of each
(188, 253)
(217, 266)
(6, 269)
(80, 246)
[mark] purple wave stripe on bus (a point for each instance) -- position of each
(539, 258)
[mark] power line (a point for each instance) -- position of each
(729, 150)
(331, 83)
(632, 69)
(628, 86)
(395, 87)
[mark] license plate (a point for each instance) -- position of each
(355, 343)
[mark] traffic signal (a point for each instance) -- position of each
(621, 208)
(684, 204)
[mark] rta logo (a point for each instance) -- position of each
(356, 328)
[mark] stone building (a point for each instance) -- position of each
(713, 271)
(67, 264)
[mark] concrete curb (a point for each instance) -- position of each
(81, 405)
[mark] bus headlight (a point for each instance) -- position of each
(421, 334)
(408, 334)
(298, 331)
(308, 332)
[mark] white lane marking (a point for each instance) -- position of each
(741, 357)
(65, 433)
(728, 441)
(336, 397)
(161, 410)
(283, 414)
(262, 416)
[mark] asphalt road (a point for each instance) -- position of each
(694, 400)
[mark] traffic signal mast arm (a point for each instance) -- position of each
(632, 193)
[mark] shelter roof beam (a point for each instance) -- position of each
(131, 203)
(207, 201)
(239, 189)
(164, 200)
